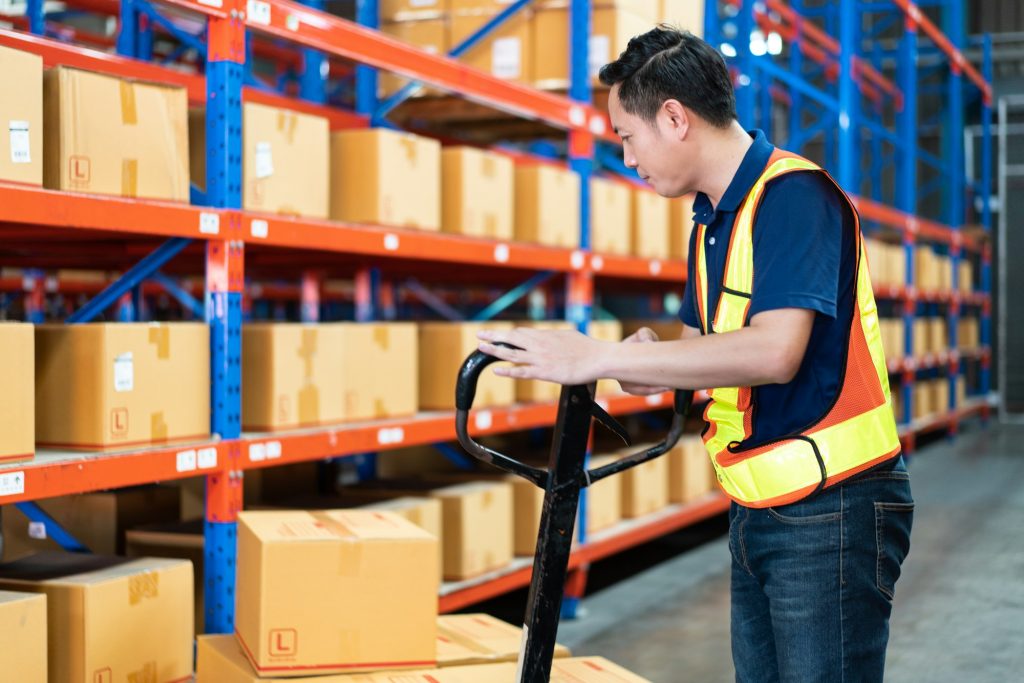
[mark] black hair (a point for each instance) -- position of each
(667, 63)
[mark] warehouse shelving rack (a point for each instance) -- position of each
(224, 235)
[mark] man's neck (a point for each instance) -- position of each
(722, 158)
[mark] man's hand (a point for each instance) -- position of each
(644, 334)
(559, 356)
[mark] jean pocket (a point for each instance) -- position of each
(821, 509)
(893, 522)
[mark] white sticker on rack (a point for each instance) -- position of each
(124, 372)
(20, 142)
(507, 57)
(292, 22)
(422, 3)
(600, 53)
(597, 263)
(483, 419)
(389, 436)
(259, 12)
(273, 450)
(187, 460)
(264, 160)
(37, 530)
(655, 399)
(598, 125)
(655, 267)
(577, 260)
(257, 452)
(501, 253)
(12, 483)
(209, 223)
(212, 3)
(577, 116)
(259, 228)
(206, 458)
(391, 242)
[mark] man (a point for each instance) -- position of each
(779, 316)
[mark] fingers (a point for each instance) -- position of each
(514, 371)
(642, 390)
(501, 352)
(644, 334)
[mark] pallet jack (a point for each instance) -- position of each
(562, 482)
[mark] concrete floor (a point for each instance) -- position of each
(959, 609)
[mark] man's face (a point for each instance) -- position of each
(654, 149)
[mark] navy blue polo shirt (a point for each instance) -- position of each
(803, 258)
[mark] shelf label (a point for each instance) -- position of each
(209, 223)
(483, 419)
(597, 125)
(187, 460)
(259, 12)
(654, 399)
(389, 436)
(207, 458)
(257, 452)
(391, 242)
(506, 57)
(597, 263)
(577, 116)
(292, 22)
(124, 373)
(37, 530)
(600, 50)
(501, 253)
(577, 260)
(12, 483)
(273, 450)
(259, 228)
(19, 142)
(264, 160)
(212, 3)
(655, 267)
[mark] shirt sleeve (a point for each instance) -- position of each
(688, 307)
(798, 237)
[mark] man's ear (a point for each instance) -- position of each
(676, 118)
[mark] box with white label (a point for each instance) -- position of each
(101, 386)
(507, 53)
(21, 117)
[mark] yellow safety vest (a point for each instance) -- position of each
(854, 434)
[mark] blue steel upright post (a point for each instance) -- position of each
(986, 220)
(953, 17)
(224, 286)
(313, 79)
(906, 191)
(745, 95)
(849, 98)
(367, 14)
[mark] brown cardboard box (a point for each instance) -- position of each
(21, 117)
(17, 400)
(644, 487)
(680, 227)
(105, 385)
(611, 30)
(94, 121)
(878, 261)
(478, 193)
(535, 390)
(478, 535)
(607, 331)
(423, 512)
(429, 35)
(945, 267)
(667, 330)
(940, 395)
(507, 54)
(97, 520)
(465, 639)
(23, 623)
(650, 225)
(610, 216)
(923, 400)
(443, 348)
(324, 592)
(896, 265)
(966, 275)
(690, 472)
(380, 370)
(386, 177)
(685, 14)
(961, 391)
(604, 499)
(969, 333)
(921, 337)
(177, 540)
(409, 10)
(926, 274)
(547, 206)
(109, 618)
(938, 337)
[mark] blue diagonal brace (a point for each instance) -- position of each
(612, 161)
(462, 48)
(432, 300)
(54, 530)
(455, 456)
(181, 36)
(512, 296)
(192, 304)
(138, 273)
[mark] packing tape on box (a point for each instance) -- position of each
(307, 350)
(143, 586)
(160, 335)
(287, 122)
(408, 142)
(489, 167)
(491, 224)
(129, 177)
(379, 409)
(382, 337)
(309, 405)
(129, 112)
(157, 427)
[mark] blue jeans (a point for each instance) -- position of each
(812, 582)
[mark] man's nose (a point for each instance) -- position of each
(629, 160)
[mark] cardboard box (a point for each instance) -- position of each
(923, 405)
(535, 390)
(465, 639)
(604, 499)
(97, 520)
(650, 225)
(945, 268)
(896, 265)
(921, 337)
(667, 330)
(296, 375)
(969, 333)
(680, 227)
(961, 391)
(610, 32)
(386, 177)
(425, 513)
(966, 277)
(17, 400)
(685, 14)
(412, 10)
(547, 206)
(938, 337)
(507, 54)
(690, 472)
(107, 135)
(326, 592)
(110, 618)
(477, 528)
(611, 215)
(878, 261)
(607, 331)
(21, 117)
(429, 35)
(926, 273)
(105, 385)
(444, 347)
(644, 487)
(479, 193)
(176, 540)
(23, 623)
